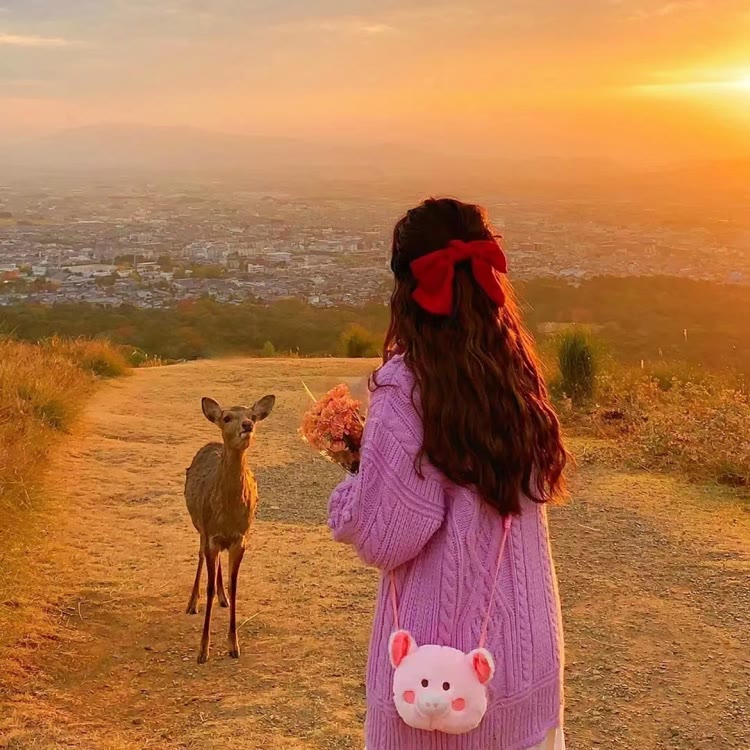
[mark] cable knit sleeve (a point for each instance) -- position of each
(387, 512)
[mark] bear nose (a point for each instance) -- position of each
(433, 704)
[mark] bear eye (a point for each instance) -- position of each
(446, 686)
(425, 683)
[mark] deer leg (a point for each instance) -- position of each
(211, 555)
(235, 560)
(223, 601)
(192, 607)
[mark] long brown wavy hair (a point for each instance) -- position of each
(488, 421)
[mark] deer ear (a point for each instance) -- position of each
(211, 410)
(400, 646)
(482, 664)
(263, 408)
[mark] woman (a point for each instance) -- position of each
(460, 436)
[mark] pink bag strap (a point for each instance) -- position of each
(486, 622)
(394, 603)
(503, 541)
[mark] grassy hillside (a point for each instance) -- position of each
(43, 388)
(663, 416)
(43, 391)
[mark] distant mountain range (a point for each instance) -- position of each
(132, 147)
(184, 150)
(722, 174)
(178, 148)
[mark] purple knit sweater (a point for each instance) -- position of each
(442, 542)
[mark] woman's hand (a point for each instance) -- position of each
(360, 389)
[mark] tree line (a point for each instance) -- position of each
(637, 318)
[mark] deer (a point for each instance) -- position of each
(222, 498)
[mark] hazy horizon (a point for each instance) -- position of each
(640, 82)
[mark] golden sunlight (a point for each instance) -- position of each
(715, 83)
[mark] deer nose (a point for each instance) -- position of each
(247, 426)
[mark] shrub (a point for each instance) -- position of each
(137, 357)
(669, 374)
(97, 357)
(358, 342)
(268, 350)
(577, 364)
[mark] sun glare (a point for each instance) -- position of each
(716, 83)
(742, 83)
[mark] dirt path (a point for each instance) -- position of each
(655, 578)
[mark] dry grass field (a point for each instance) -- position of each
(653, 573)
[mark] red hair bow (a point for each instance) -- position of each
(435, 273)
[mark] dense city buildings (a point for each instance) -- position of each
(153, 246)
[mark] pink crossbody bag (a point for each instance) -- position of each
(438, 688)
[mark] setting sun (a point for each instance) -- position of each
(714, 82)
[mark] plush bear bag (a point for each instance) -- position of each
(438, 688)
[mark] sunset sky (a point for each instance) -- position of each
(642, 80)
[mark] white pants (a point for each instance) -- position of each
(555, 740)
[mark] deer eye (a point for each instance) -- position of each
(227, 419)
(425, 683)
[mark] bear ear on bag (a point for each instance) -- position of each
(400, 645)
(482, 663)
